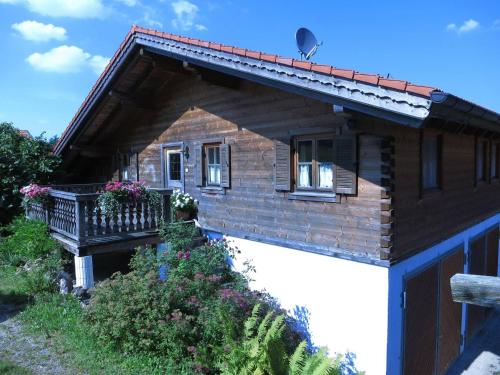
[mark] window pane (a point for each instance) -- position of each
(305, 175)
(214, 174)
(211, 155)
(217, 155)
(175, 166)
(430, 163)
(494, 156)
(325, 150)
(305, 151)
(325, 175)
(480, 161)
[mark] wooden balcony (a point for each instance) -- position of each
(78, 224)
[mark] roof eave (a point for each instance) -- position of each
(453, 108)
(394, 105)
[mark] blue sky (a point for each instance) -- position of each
(53, 50)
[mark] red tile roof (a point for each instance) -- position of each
(372, 79)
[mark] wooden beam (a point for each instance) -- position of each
(91, 151)
(476, 289)
(137, 101)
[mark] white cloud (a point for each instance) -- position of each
(186, 14)
(129, 3)
(66, 59)
(98, 63)
(64, 8)
(150, 19)
(39, 32)
(466, 27)
(496, 25)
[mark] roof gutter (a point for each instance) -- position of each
(455, 109)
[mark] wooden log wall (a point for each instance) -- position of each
(249, 119)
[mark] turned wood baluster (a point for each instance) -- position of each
(123, 217)
(146, 215)
(98, 220)
(90, 217)
(107, 227)
(139, 211)
(152, 213)
(115, 222)
(131, 209)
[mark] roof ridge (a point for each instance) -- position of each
(370, 78)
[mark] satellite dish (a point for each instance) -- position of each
(306, 42)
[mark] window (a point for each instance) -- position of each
(480, 161)
(173, 167)
(431, 160)
(212, 167)
(494, 161)
(315, 168)
(212, 155)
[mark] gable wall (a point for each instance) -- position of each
(249, 119)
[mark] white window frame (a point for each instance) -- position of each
(168, 150)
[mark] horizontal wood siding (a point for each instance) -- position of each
(424, 218)
(250, 119)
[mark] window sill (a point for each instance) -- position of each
(313, 196)
(213, 190)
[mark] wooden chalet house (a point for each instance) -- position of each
(355, 196)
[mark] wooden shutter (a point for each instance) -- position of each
(345, 162)
(198, 168)
(225, 161)
(282, 166)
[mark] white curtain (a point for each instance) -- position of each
(305, 175)
(214, 174)
(326, 176)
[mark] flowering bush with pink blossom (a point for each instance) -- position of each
(117, 193)
(34, 193)
(191, 319)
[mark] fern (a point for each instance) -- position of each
(263, 351)
(298, 359)
(252, 322)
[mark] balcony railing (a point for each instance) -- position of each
(73, 213)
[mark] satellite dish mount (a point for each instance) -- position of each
(306, 43)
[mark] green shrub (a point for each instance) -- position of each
(23, 160)
(199, 319)
(36, 255)
(27, 240)
(191, 318)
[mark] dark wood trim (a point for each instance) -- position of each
(314, 138)
(300, 246)
(314, 196)
(387, 163)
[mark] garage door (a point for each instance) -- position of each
(492, 253)
(432, 324)
(477, 266)
(421, 323)
(450, 313)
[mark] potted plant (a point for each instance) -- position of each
(117, 193)
(34, 193)
(184, 205)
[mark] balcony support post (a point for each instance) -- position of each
(84, 272)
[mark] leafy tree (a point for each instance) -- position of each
(23, 160)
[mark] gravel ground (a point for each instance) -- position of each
(482, 356)
(34, 354)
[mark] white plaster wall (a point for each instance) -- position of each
(347, 300)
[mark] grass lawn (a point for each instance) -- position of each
(9, 368)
